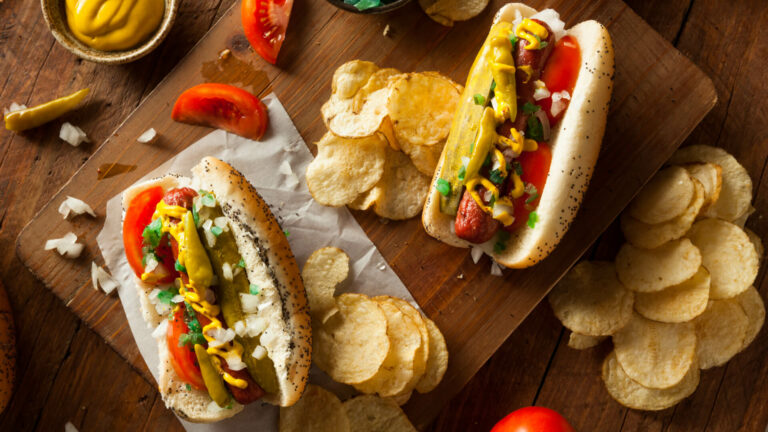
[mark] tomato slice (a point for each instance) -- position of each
(183, 359)
(137, 216)
(533, 419)
(560, 73)
(222, 106)
(265, 22)
(535, 166)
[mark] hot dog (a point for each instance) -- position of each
(525, 139)
(217, 280)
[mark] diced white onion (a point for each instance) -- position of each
(237, 271)
(476, 253)
(465, 161)
(178, 298)
(285, 169)
(267, 304)
(239, 327)
(552, 19)
(160, 330)
(496, 269)
(558, 102)
(500, 209)
(221, 222)
(151, 264)
(487, 195)
(66, 246)
(220, 336)
(207, 225)
(494, 104)
(268, 338)
(100, 278)
(160, 307)
(72, 134)
(259, 352)
(226, 271)
(74, 206)
(530, 189)
(147, 137)
(545, 130)
(234, 362)
(249, 302)
(255, 326)
(541, 91)
(13, 108)
(210, 238)
(94, 277)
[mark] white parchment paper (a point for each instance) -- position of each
(276, 167)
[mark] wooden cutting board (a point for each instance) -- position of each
(659, 97)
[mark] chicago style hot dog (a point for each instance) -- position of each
(218, 281)
(525, 138)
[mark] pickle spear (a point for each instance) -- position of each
(228, 298)
(466, 120)
(213, 381)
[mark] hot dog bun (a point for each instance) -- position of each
(575, 146)
(268, 259)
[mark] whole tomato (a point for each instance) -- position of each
(533, 419)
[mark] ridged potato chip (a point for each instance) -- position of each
(352, 345)
(711, 178)
(633, 395)
(445, 12)
(376, 82)
(437, 363)
(324, 269)
(397, 369)
(579, 341)
(422, 353)
(590, 300)
(351, 77)
(649, 236)
(421, 107)
(424, 157)
(318, 410)
(736, 194)
(656, 355)
(666, 196)
(728, 254)
(721, 331)
(403, 188)
(753, 306)
(368, 413)
(344, 168)
(757, 242)
(349, 123)
(678, 303)
(648, 270)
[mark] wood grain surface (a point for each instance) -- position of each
(66, 373)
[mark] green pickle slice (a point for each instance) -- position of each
(228, 298)
(214, 383)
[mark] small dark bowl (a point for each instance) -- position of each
(397, 4)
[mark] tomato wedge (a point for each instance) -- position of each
(535, 166)
(222, 106)
(183, 359)
(560, 73)
(533, 419)
(137, 216)
(265, 22)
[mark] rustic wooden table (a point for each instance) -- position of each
(66, 372)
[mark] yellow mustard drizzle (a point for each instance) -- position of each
(528, 70)
(185, 232)
(471, 184)
(531, 31)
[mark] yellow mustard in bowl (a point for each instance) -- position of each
(114, 25)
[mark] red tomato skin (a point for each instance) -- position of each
(561, 72)
(183, 359)
(533, 419)
(137, 216)
(265, 35)
(222, 106)
(535, 167)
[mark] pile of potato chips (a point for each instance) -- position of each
(319, 410)
(380, 345)
(446, 12)
(386, 131)
(679, 297)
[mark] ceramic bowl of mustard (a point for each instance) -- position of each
(110, 31)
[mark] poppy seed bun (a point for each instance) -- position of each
(575, 144)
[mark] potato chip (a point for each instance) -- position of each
(318, 410)
(666, 196)
(656, 355)
(425, 158)
(728, 254)
(403, 188)
(678, 303)
(351, 77)
(649, 236)
(352, 345)
(736, 193)
(437, 363)
(344, 168)
(387, 131)
(348, 123)
(633, 395)
(366, 199)
(711, 178)
(742, 220)
(368, 413)
(648, 270)
(579, 341)
(422, 354)
(402, 398)
(721, 331)
(397, 369)
(376, 82)
(757, 243)
(753, 306)
(421, 107)
(324, 269)
(446, 12)
(590, 300)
